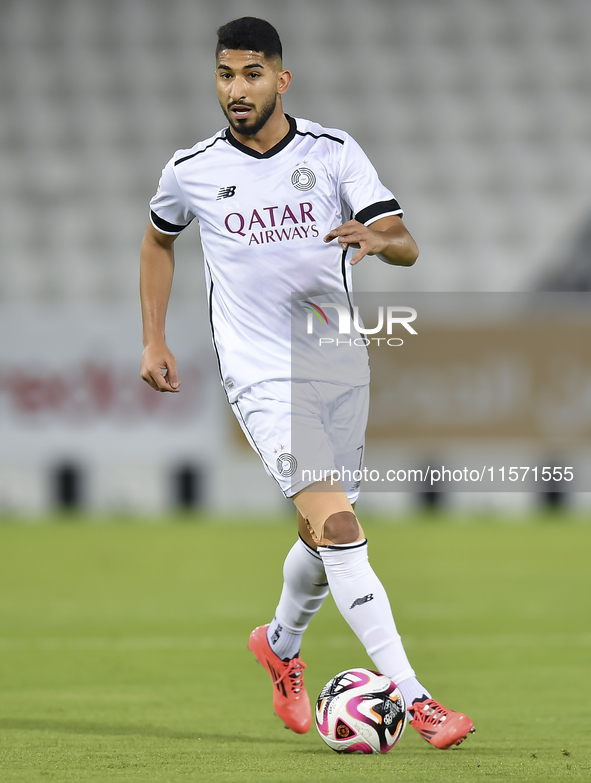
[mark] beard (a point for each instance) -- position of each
(265, 112)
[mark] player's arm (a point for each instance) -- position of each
(387, 238)
(156, 273)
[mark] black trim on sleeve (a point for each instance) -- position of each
(375, 210)
(164, 225)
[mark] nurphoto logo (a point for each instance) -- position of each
(394, 315)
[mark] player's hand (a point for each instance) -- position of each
(158, 368)
(355, 234)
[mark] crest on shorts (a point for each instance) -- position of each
(287, 464)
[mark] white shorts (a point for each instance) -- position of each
(304, 430)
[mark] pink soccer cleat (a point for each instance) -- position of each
(438, 725)
(290, 699)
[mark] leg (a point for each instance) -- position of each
(265, 415)
(363, 602)
(304, 590)
(277, 645)
(358, 593)
(304, 532)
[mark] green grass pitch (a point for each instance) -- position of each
(123, 651)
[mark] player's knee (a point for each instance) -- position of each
(341, 528)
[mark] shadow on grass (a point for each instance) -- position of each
(105, 729)
(407, 752)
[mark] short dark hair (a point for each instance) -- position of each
(248, 32)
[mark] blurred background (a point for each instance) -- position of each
(476, 113)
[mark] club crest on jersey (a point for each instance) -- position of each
(226, 192)
(303, 179)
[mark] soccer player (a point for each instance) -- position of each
(273, 196)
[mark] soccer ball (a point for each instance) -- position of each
(360, 711)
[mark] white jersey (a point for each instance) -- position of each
(262, 219)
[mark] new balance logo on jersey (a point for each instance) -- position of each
(360, 601)
(226, 192)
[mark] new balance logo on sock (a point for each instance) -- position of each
(360, 601)
(276, 634)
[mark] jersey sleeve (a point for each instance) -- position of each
(361, 188)
(169, 212)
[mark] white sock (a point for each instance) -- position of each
(412, 689)
(362, 600)
(304, 589)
